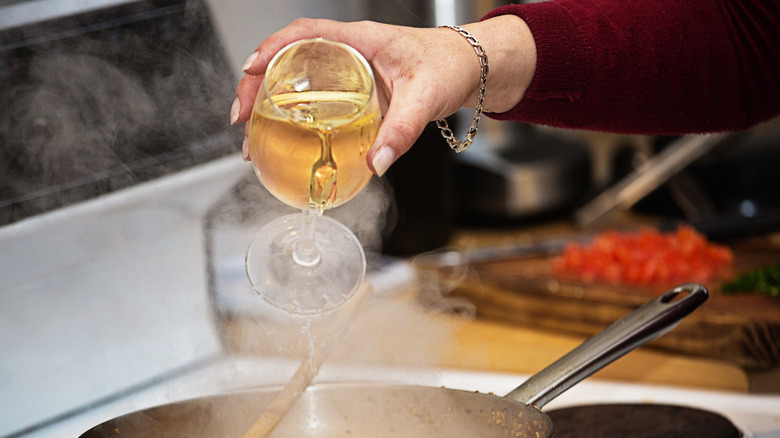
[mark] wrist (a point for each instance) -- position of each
(511, 53)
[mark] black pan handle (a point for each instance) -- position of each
(638, 328)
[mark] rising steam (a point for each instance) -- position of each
(90, 114)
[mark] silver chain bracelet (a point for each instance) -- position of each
(457, 145)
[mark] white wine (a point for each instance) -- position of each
(314, 119)
(309, 149)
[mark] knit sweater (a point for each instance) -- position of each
(651, 66)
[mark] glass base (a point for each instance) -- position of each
(307, 288)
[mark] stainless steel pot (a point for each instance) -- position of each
(360, 410)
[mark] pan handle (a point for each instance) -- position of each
(646, 323)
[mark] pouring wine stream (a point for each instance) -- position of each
(309, 367)
(317, 101)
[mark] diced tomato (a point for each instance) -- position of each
(645, 257)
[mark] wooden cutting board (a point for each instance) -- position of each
(738, 328)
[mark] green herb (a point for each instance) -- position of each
(764, 280)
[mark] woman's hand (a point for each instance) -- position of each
(421, 74)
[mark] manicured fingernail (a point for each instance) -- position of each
(245, 149)
(249, 61)
(234, 110)
(382, 160)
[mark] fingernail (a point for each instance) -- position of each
(234, 110)
(245, 148)
(249, 61)
(382, 160)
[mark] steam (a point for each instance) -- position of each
(251, 206)
(408, 325)
(366, 215)
(87, 115)
(76, 124)
(63, 124)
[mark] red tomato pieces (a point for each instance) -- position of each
(645, 257)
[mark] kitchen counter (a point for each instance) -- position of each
(495, 347)
(755, 415)
(395, 331)
(492, 343)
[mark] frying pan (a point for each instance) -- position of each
(374, 411)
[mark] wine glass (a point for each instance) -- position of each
(313, 120)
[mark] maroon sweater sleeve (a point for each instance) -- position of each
(651, 66)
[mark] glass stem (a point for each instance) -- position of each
(305, 251)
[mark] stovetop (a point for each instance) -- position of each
(754, 415)
(640, 420)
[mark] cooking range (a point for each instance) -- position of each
(753, 416)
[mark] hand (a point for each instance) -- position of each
(421, 74)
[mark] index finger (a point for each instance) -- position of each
(302, 28)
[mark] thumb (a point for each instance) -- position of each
(401, 127)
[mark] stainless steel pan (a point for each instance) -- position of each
(361, 410)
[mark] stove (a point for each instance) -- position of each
(640, 420)
(753, 415)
